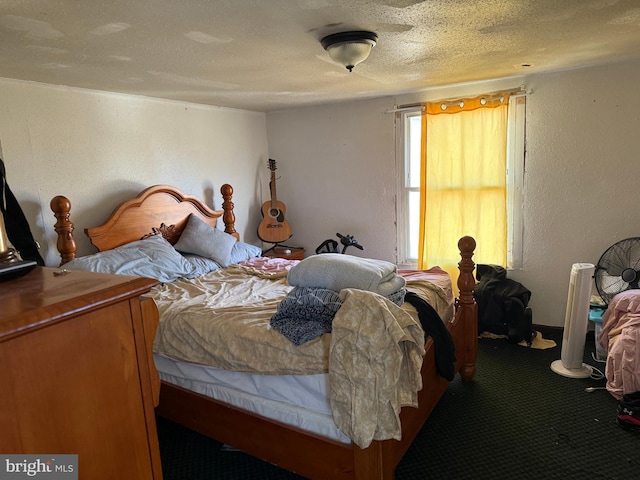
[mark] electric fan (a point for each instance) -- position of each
(575, 323)
(618, 268)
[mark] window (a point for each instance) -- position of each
(409, 151)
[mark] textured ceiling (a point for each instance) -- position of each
(266, 55)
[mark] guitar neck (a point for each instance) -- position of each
(274, 198)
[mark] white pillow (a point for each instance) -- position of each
(202, 239)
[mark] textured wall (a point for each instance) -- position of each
(337, 168)
(99, 149)
(582, 173)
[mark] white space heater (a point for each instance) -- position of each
(575, 323)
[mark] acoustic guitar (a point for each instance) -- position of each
(273, 228)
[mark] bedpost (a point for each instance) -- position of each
(369, 463)
(467, 303)
(228, 217)
(66, 245)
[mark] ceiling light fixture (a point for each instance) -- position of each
(349, 48)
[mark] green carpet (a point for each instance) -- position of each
(516, 420)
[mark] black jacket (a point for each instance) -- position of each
(433, 326)
(15, 222)
(502, 303)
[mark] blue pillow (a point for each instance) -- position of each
(200, 264)
(202, 239)
(153, 257)
(243, 251)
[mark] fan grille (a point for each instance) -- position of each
(618, 268)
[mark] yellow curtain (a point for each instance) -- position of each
(463, 189)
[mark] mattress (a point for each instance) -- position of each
(297, 400)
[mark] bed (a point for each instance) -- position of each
(309, 452)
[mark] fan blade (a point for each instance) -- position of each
(609, 286)
(633, 257)
(612, 284)
(614, 260)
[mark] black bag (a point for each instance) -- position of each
(502, 304)
(15, 222)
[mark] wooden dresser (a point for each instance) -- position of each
(77, 373)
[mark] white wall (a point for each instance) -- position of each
(337, 167)
(99, 149)
(581, 181)
(582, 174)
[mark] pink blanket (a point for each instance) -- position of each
(434, 275)
(268, 265)
(620, 335)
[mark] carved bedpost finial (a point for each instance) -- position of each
(469, 314)
(228, 217)
(61, 207)
(466, 281)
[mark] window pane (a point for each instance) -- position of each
(413, 152)
(414, 224)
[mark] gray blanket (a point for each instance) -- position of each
(307, 312)
(335, 271)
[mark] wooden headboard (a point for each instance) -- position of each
(159, 209)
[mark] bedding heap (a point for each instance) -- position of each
(222, 319)
(308, 310)
(620, 337)
(374, 342)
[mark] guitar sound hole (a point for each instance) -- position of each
(277, 214)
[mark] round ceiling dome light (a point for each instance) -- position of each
(349, 48)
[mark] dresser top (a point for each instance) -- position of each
(46, 295)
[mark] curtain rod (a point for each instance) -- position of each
(415, 106)
(403, 108)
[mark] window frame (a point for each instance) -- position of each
(403, 220)
(515, 171)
